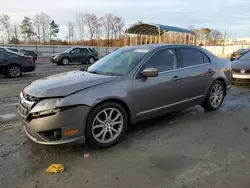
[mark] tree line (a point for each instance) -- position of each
(87, 29)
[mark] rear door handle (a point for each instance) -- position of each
(176, 78)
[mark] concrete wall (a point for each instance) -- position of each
(48, 50)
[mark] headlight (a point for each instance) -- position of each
(47, 104)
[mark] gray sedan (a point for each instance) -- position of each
(241, 68)
(127, 86)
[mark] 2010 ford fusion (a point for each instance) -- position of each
(126, 86)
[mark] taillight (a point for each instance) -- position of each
(30, 60)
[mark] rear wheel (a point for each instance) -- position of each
(14, 71)
(215, 96)
(106, 125)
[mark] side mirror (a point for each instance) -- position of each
(150, 72)
(72, 52)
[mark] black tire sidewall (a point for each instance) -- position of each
(88, 129)
(8, 73)
(208, 105)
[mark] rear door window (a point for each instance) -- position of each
(77, 50)
(190, 57)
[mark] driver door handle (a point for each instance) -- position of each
(176, 78)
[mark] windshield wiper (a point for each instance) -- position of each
(94, 72)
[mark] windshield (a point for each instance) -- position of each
(246, 56)
(13, 49)
(68, 50)
(118, 63)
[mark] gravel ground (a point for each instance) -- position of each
(190, 148)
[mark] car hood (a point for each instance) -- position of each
(241, 64)
(56, 54)
(65, 84)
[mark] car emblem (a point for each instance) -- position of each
(243, 71)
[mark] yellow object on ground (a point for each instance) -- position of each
(55, 168)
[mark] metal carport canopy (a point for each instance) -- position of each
(142, 28)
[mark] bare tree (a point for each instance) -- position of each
(71, 31)
(92, 22)
(107, 25)
(118, 27)
(16, 34)
(45, 26)
(5, 22)
(215, 36)
(80, 22)
(37, 26)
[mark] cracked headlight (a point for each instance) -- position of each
(47, 104)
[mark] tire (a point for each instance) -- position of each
(14, 71)
(214, 99)
(65, 61)
(91, 60)
(94, 128)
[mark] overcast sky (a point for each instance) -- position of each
(233, 15)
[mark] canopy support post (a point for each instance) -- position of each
(185, 40)
(141, 39)
(189, 38)
(155, 39)
(136, 39)
(146, 42)
(125, 40)
(193, 39)
(150, 39)
(130, 42)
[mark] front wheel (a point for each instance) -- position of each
(91, 60)
(215, 96)
(65, 61)
(106, 125)
(14, 71)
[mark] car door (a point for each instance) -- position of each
(76, 55)
(153, 95)
(85, 53)
(195, 73)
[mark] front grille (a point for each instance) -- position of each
(247, 71)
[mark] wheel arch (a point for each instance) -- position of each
(114, 100)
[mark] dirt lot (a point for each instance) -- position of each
(190, 148)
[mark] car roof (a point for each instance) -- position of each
(157, 46)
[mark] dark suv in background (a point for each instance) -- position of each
(77, 54)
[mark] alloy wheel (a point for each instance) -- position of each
(91, 60)
(216, 95)
(107, 125)
(65, 61)
(15, 71)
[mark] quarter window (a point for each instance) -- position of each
(190, 57)
(163, 60)
(206, 59)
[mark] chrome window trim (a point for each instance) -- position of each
(183, 68)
